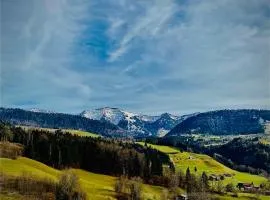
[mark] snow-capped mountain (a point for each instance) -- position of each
(40, 110)
(113, 115)
(37, 118)
(136, 124)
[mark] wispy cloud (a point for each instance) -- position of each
(148, 56)
(38, 37)
(147, 24)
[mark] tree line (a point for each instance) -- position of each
(107, 156)
(248, 155)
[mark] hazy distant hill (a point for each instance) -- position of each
(224, 122)
(58, 120)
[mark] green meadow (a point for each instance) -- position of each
(183, 160)
(72, 131)
(97, 186)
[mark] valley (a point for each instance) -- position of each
(101, 147)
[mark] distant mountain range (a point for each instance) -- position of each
(58, 120)
(135, 124)
(115, 122)
(105, 121)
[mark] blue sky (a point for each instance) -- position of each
(149, 56)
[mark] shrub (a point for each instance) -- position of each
(220, 187)
(10, 150)
(121, 184)
(135, 188)
(129, 189)
(27, 185)
(230, 187)
(68, 187)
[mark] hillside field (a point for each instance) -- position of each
(74, 132)
(183, 160)
(97, 186)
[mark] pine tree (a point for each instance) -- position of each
(195, 169)
(188, 180)
(204, 180)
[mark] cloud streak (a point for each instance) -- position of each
(147, 56)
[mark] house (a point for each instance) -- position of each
(246, 186)
(214, 177)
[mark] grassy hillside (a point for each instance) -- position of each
(74, 132)
(205, 163)
(96, 186)
(82, 133)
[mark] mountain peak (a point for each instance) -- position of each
(169, 116)
(135, 123)
(114, 115)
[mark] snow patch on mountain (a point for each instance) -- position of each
(129, 116)
(148, 118)
(113, 115)
(136, 124)
(161, 132)
(37, 110)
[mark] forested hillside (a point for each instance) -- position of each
(224, 122)
(244, 154)
(99, 155)
(58, 120)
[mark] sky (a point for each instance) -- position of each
(146, 56)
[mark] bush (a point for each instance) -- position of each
(121, 184)
(129, 189)
(135, 188)
(10, 150)
(69, 188)
(220, 187)
(27, 185)
(230, 187)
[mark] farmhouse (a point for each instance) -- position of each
(247, 186)
(213, 177)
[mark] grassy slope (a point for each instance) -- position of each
(75, 132)
(205, 163)
(96, 186)
(82, 133)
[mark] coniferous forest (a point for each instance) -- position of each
(107, 156)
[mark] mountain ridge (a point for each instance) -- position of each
(136, 124)
(118, 123)
(224, 122)
(19, 116)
